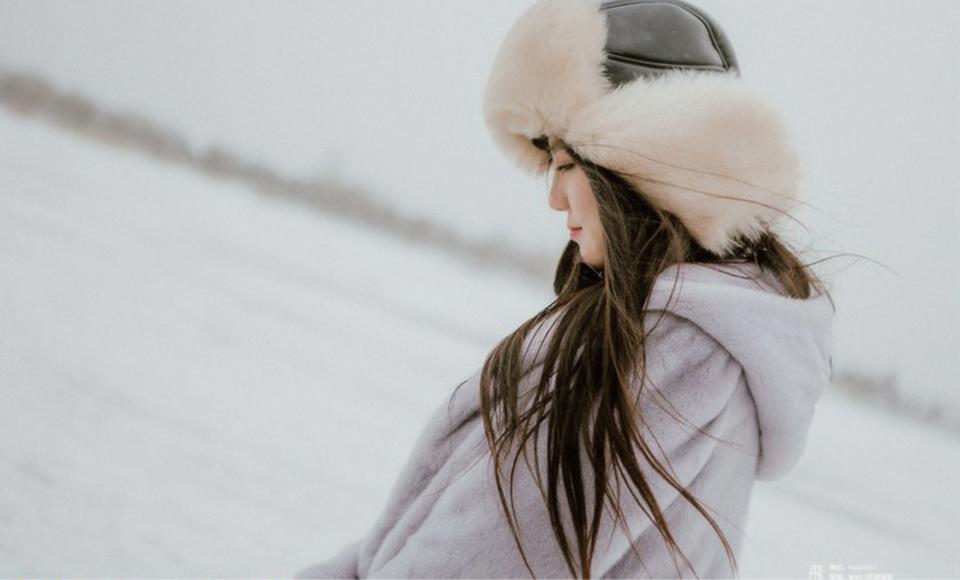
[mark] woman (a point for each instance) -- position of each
(687, 345)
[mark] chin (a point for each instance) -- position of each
(588, 259)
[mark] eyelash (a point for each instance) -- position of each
(565, 167)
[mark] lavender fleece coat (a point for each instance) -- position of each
(731, 355)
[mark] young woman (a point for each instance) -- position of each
(619, 431)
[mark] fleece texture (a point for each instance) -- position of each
(701, 144)
(726, 350)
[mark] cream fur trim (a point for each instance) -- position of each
(702, 145)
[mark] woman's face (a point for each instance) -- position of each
(570, 191)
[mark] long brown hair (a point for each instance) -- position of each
(601, 323)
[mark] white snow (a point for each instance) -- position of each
(199, 381)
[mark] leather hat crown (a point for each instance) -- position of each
(651, 89)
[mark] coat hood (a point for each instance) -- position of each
(783, 344)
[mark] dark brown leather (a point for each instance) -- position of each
(647, 38)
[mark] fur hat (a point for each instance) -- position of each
(651, 89)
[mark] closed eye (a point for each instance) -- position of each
(565, 167)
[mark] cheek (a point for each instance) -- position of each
(596, 241)
(594, 232)
(583, 201)
(589, 214)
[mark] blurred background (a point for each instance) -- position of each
(246, 248)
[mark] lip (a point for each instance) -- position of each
(574, 231)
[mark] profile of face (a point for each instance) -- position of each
(570, 192)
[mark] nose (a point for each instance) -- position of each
(557, 200)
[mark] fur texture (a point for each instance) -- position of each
(700, 144)
(443, 516)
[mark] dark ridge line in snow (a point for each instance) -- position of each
(29, 94)
(887, 393)
(371, 299)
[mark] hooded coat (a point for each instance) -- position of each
(730, 353)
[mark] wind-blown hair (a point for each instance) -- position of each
(596, 352)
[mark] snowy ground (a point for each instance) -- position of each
(197, 381)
